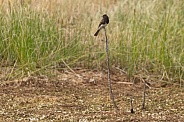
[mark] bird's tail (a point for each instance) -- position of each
(96, 34)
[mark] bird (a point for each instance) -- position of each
(103, 23)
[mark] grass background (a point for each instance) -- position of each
(146, 38)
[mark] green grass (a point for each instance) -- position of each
(145, 37)
(152, 39)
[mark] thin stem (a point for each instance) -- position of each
(131, 104)
(144, 96)
(109, 78)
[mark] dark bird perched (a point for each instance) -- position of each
(102, 24)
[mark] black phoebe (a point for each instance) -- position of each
(102, 24)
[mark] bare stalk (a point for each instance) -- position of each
(109, 78)
(131, 105)
(144, 96)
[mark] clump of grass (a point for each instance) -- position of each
(32, 39)
(151, 39)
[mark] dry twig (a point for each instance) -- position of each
(109, 78)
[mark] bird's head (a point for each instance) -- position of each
(104, 15)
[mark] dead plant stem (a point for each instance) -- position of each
(109, 78)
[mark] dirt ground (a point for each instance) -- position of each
(82, 95)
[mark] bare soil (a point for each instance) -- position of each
(82, 95)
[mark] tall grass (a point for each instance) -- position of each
(152, 38)
(146, 37)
